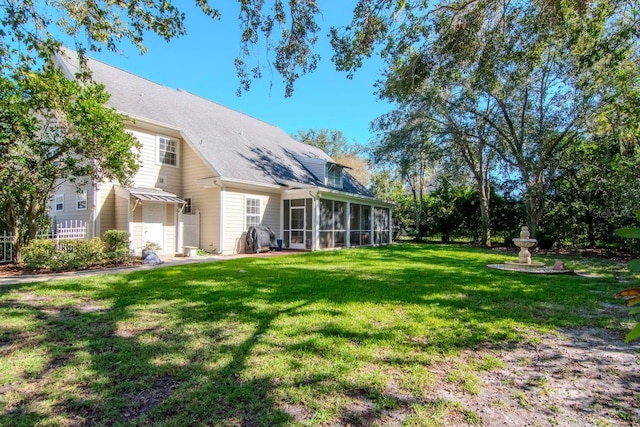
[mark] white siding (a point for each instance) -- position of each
(70, 212)
(106, 208)
(207, 200)
(150, 171)
(234, 216)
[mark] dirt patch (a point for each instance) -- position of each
(576, 377)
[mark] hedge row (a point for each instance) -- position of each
(77, 254)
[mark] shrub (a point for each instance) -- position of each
(118, 256)
(78, 254)
(38, 254)
(116, 240)
(116, 246)
(633, 293)
(63, 254)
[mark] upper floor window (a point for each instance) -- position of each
(58, 202)
(81, 200)
(334, 175)
(187, 206)
(252, 210)
(167, 151)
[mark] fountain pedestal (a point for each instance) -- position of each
(524, 256)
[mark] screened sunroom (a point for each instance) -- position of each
(321, 222)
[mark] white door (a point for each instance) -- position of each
(297, 238)
(153, 218)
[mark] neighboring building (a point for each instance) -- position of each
(207, 173)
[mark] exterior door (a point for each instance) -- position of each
(153, 219)
(297, 240)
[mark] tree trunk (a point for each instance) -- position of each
(534, 204)
(485, 218)
(591, 233)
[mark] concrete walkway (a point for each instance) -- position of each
(168, 261)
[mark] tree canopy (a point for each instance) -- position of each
(55, 130)
(522, 80)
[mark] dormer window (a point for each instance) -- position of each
(334, 175)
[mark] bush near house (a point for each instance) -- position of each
(59, 255)
(116, 244)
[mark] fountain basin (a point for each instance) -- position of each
(538, 268)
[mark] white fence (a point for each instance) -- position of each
(189, 234)
(68, 230)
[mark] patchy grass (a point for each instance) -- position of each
(355, 336)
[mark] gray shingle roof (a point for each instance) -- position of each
(235, 145)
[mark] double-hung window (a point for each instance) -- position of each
(167, 151)
(58, 202)
(187, 206)
(81, 200)
(252, 211)
(334, 175)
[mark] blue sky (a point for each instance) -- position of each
(202, 63)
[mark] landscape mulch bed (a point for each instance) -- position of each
(12, 270)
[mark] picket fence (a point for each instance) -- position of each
(67, 230)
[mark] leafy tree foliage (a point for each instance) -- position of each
(522, 84)
(32, 31)
(594, 192)
(408, 146)
(53, 130)
(388, 186)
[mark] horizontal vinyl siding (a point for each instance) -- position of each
(207, 200)
(106, 209)
(233, 222)
(234, 216)
(121, 212)
(70, 213)
(149, 171)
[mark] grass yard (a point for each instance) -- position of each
(358, 337)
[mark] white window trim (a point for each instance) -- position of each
(86, 200)
(191, 210)
(55, 202)
(337, 167)
(158, 162)
(259, 214)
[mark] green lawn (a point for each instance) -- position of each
(324, 338)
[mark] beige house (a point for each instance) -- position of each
(207, 173)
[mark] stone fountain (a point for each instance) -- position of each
(524, 256)
(524, 263)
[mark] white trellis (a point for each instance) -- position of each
(67, 230)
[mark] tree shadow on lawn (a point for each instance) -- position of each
(242, 342)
